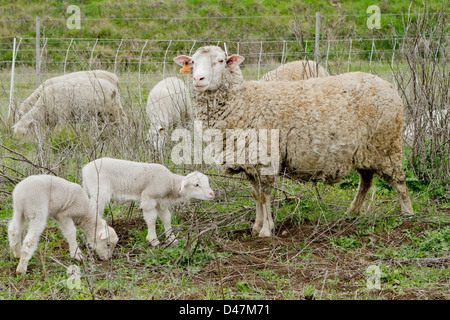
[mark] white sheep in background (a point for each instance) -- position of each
(295, 71)
(153, 185)
(89, 76)
(326, 127)
(168, 103)
(40, 197)
(74, 100)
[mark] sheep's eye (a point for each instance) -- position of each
(196, 185)
(221, 60)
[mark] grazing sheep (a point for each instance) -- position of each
(74, 100)
(153, 185)
(296, 70)
(38, 198)
(326, 126)
(90, 76)
(168, 103)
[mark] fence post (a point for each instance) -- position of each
(38, 51)
(11, 91)
(317, 38)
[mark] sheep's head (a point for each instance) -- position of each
(106, 240)
(23, 125)
(157, 136)
(208, 65)
(196, 186)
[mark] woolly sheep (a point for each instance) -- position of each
(168, 103)
(326, 126)
(153, 185)
(296, 70)
(40, 197)
(74, 100)
(90, 76)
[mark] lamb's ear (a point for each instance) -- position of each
(103, 232)
(184, 182)
(235, 60)
(180, 60)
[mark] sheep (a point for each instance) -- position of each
(74, 100)
(90, 76)
(168, 103)
(326, 126)
(296, 70)
(153, 185)
(40, 197)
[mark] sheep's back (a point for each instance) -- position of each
(326, 125)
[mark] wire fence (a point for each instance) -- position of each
(141, 63)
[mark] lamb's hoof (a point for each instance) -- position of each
(21, 270)
(153, 242)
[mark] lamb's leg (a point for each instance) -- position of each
(365, 182)
(69, 231)
(30, 243)
(150, 215)
(166, 218)
(15, 230)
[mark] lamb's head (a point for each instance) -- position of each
(209, 65)
(106, 240)
(196, 186)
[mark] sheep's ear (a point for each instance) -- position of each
(180, 60)
(235, 60)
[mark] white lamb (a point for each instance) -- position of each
(153, 185)
(168, 103)
(74, 100)
(38, 198)
(89, 76)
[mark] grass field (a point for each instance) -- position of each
(318, 251)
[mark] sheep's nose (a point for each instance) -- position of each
(211, 194)
(199, 79)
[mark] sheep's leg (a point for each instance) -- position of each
(365, 182)
(399, 185)
(15, 230)
(166, 218)
(30, 244)
(150, 215)
(257, 226)
(263, 225)
(69, 232)
(267, 223)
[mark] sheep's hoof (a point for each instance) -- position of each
(265, 233)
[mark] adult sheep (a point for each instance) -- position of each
(168, 103)
(90, 76)
(296, 70)
(326, 126)
(74, 100)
